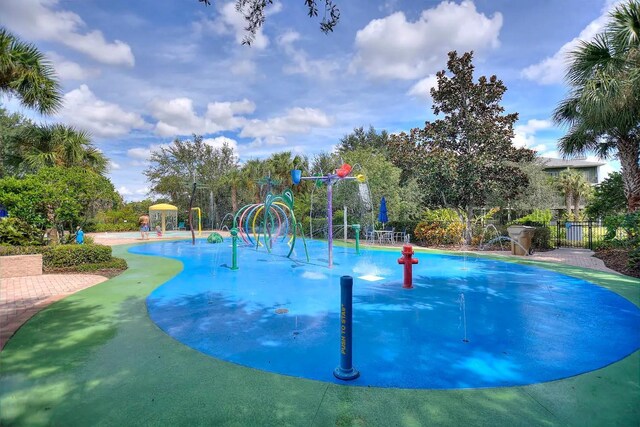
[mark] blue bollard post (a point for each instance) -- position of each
(346, 371)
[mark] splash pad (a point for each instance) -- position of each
(484, 324)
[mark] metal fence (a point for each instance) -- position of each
(580, 234)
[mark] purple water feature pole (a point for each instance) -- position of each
(341, 174)
(330, 210)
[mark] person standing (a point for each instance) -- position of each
(144, 226)
(79, 235)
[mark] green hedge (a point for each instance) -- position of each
(63, 255)
(113, 264)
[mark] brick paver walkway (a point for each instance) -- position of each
(22, 297)
(577, 257)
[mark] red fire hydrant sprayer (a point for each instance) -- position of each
(408, 261)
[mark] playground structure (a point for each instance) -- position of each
(199, 220)
(262, 224)
(342, 173)
(165, 213)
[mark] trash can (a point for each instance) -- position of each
(522, 235)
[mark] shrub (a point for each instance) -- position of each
(435, 233)
(629, 222)
(63, 255)
(16, 232)
(68, 255)
(113, 264)
(537, 216)
(541, 238)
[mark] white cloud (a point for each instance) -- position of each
(69, 70)
(422, 89)
(258, 150)
(113, 165)
(84, 110)
(525, 135)
(552, 69)
(219, 141)
(139, 153)
(243, 67)
(133, 194)
(37, 20)
(230, 21)
(394, 48)
(300, 62)
(296, 120)
(178, 117)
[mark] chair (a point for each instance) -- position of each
(401, 236)
(388, 237)
(369, 235)
(181, 226)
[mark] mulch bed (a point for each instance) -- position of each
(617, 259)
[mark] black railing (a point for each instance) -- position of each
(581, 234)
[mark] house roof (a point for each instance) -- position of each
(568, 163)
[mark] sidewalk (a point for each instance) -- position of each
(22, 297)
(577, 257)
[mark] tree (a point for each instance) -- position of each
(608, 198)
(26, 73)
(173, 170)
(541, 192)
(254, 170)
(56, 198)
(235, 179)
(58, 145)
(602, 109)
(280, 166)
(467, 158)
(574, 187)
(27, 147)
(361, 139)
(254, 12)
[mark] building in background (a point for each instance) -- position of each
(589, 169)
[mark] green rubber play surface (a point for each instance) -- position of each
(95, 358)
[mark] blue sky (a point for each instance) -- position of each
(137, 74)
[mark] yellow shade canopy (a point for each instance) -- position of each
(162, 207)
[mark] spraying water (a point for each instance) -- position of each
(463, 317)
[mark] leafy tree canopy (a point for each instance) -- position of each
(27, 147)
(602, 109)
(28, 75)
(608, 198)
(57, 197)
(466, 158)
(360, 138)
(173, 169)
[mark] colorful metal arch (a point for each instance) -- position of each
(268, 221)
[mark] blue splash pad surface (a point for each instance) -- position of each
(524, 324)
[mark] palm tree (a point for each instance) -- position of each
(26, 73)
(235, 179)
(603, 107)
(57, 145)
(574, 187)
(281, 164)
(254, 170)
